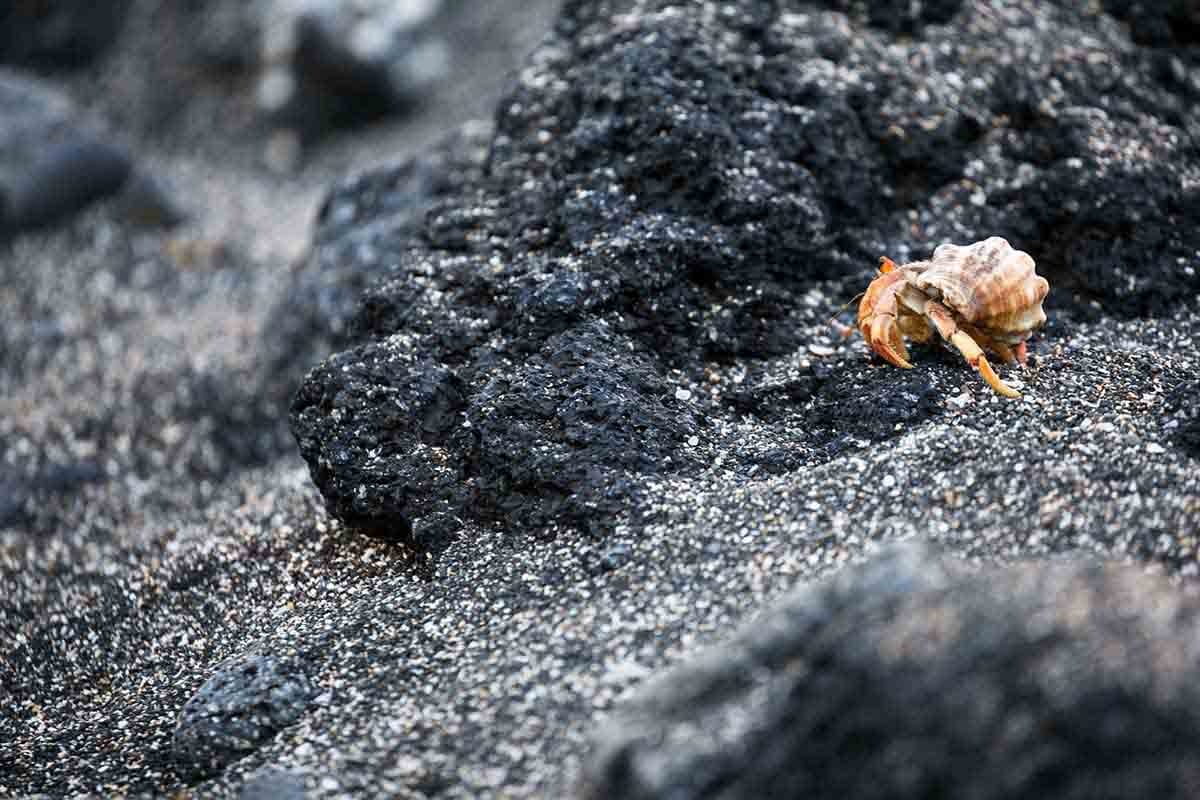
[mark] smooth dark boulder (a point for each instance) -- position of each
(63, 34)
(246, 700)
(913, 676)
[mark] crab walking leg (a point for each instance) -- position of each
(1006, 353)
(944, 322)
(879, 325)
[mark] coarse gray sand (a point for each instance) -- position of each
(485, 672)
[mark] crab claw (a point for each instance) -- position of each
(885, 339)
(877, 315)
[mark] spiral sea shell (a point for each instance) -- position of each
(988, 284)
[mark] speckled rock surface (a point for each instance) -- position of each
(246, 701)
(360, 224)
(683, 195)
(916, 677)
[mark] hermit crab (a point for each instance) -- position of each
(982, 296)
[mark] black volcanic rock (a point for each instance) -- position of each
(63, 34)
(1161, 23)
(64, 179)
(665, 184)
(53, 161)
(916, 677)
(362, 224)
(247, 699)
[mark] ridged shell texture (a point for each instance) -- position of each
(988, 283)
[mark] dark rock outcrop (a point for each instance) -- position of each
(64, 179)
(916, 677)
(363, 222)
(627, 276)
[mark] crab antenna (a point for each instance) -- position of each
(833, 320)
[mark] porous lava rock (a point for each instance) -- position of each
(361, 225)
(913, 676)
(666, 183)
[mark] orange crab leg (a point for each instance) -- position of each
(1009, 354)
(944, 322)
(989, 375)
